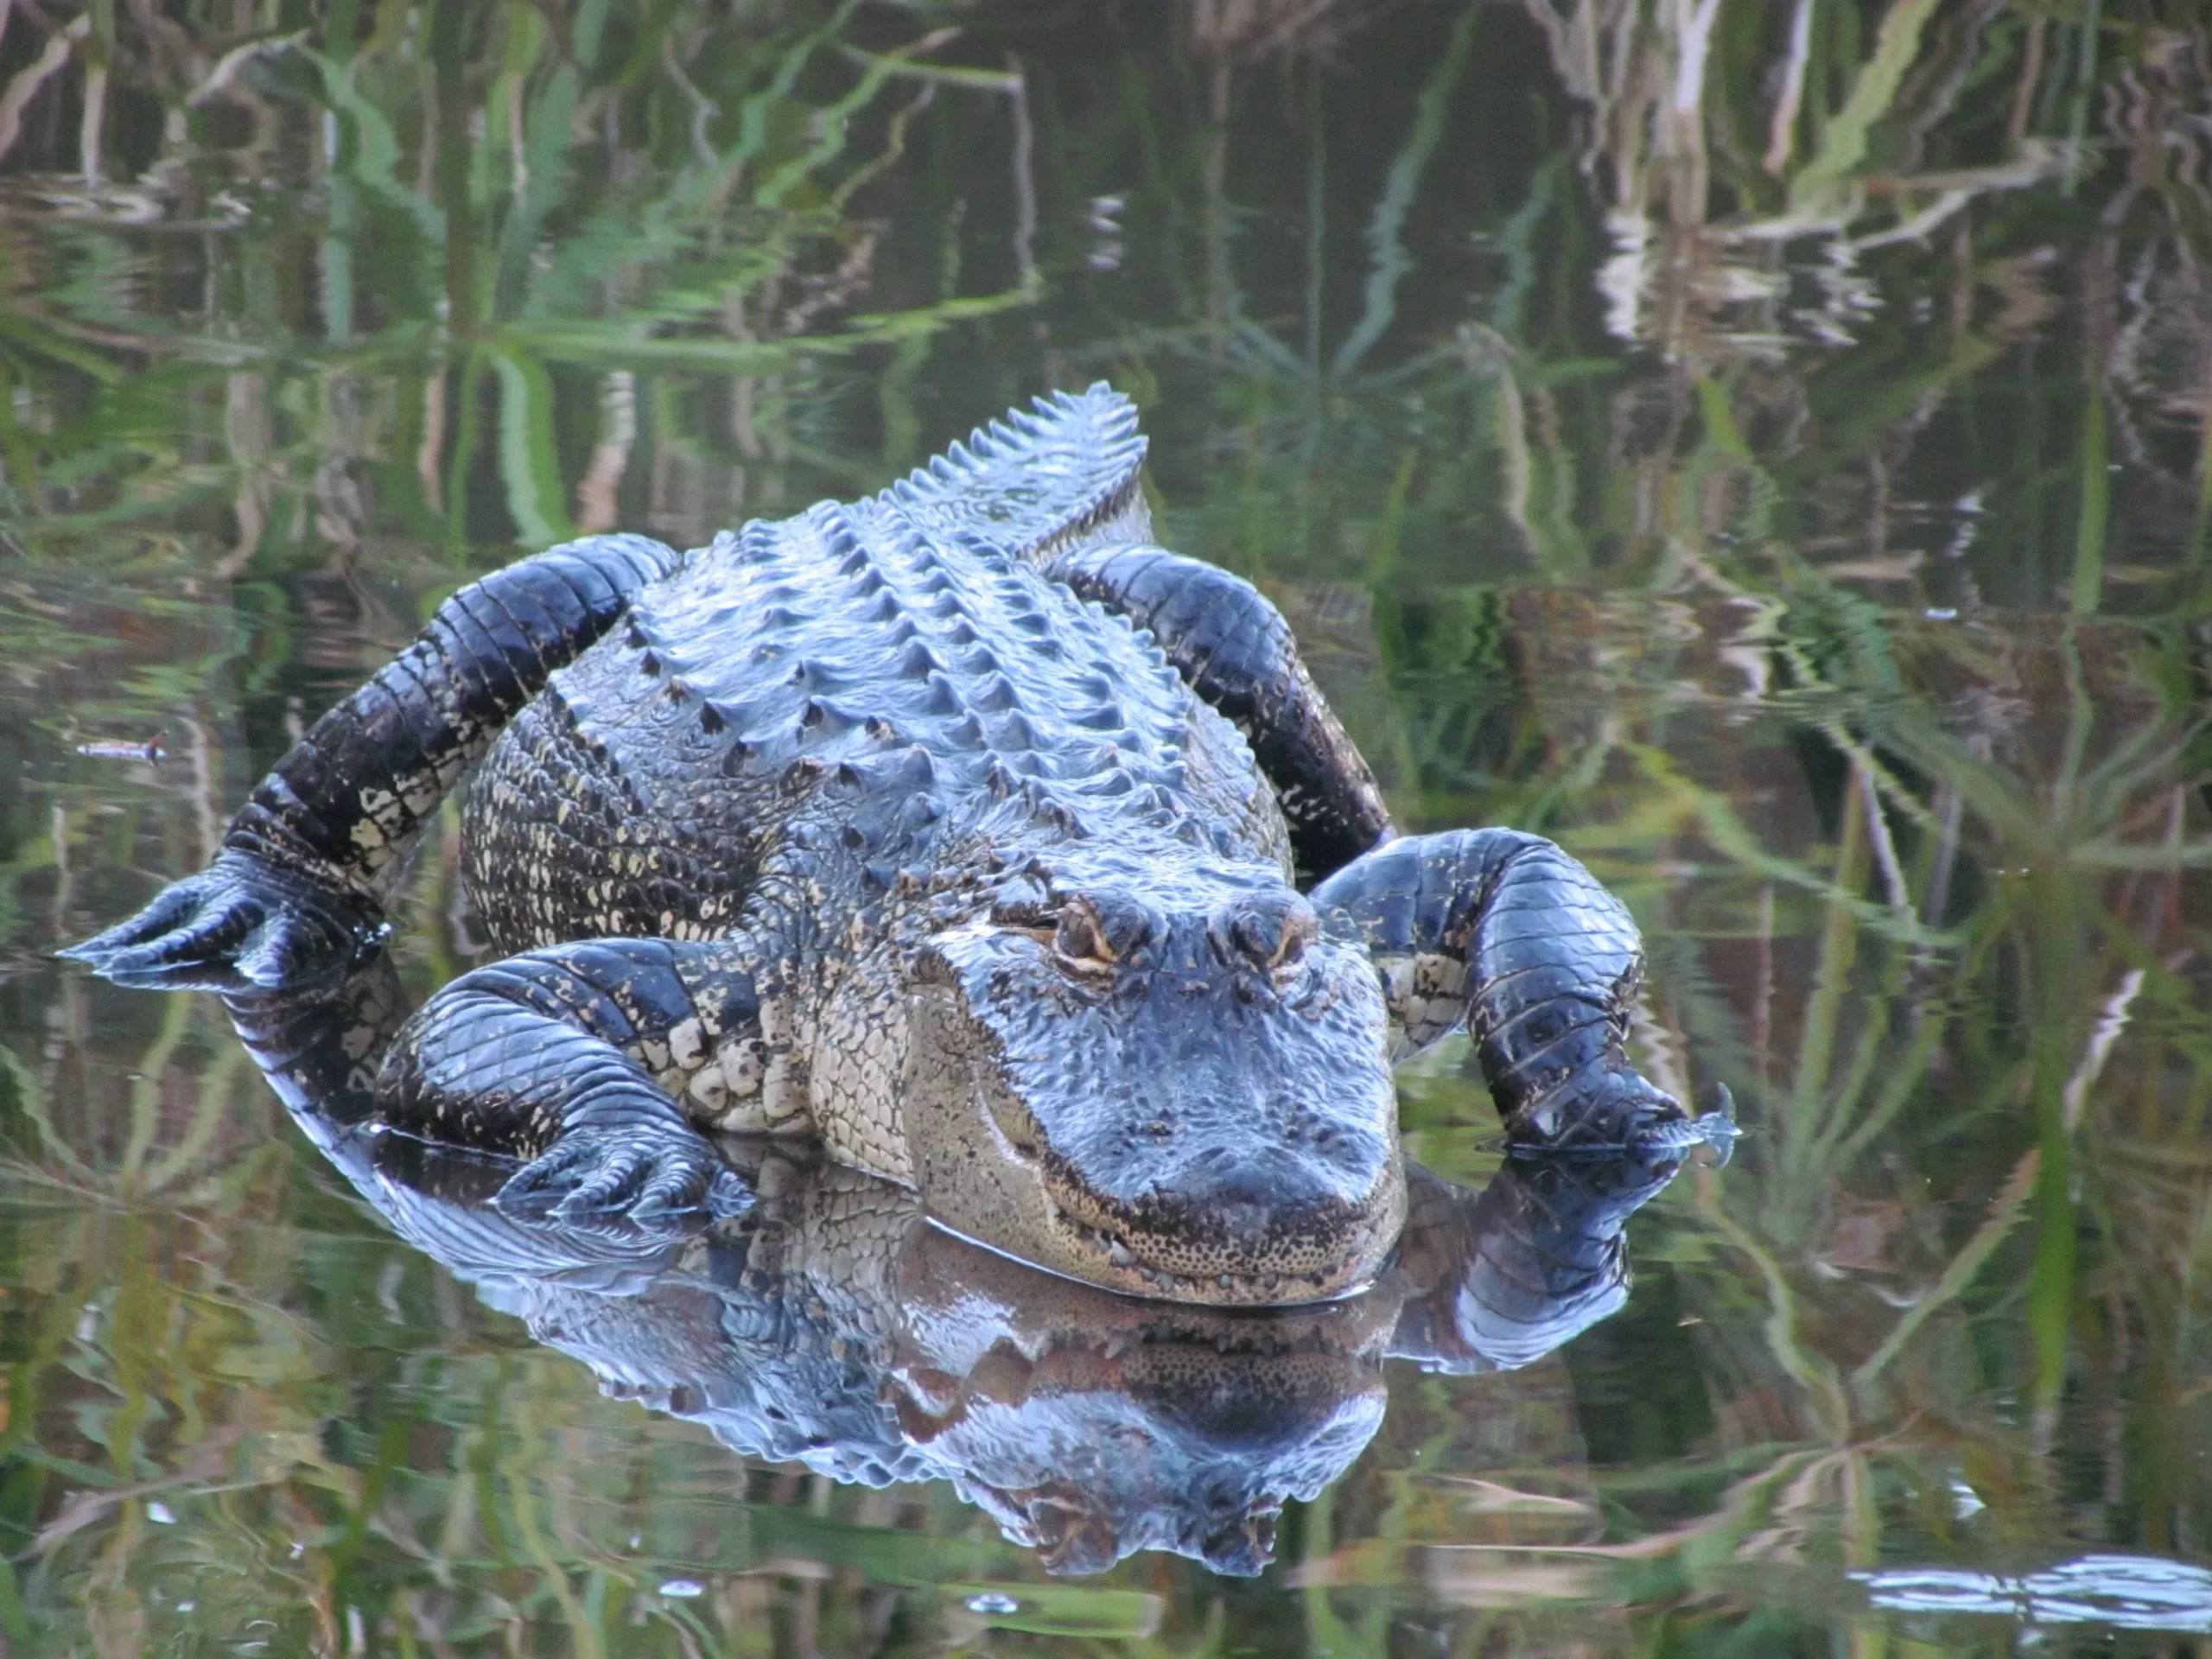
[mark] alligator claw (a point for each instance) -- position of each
(627, 1178)
(238, 925)
(1716, 1130)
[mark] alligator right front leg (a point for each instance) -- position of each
(298, 887)
(1506, 933)
(594, 1061)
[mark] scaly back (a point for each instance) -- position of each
(919, 684)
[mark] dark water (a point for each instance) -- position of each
(1762, 445)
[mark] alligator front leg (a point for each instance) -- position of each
(1507, 933)
(1234, 649)
(299, 885)
(595, 1061)
(1495, 1278)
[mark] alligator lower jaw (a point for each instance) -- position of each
(1115, 1264)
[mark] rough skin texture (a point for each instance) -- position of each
(957, 830)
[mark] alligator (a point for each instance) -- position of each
(963, 830)
(831, 1325)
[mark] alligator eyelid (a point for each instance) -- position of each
(1080, 939)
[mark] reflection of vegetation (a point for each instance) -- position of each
(1763, 444)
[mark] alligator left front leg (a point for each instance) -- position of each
(596, 1061)
(1506, 932)
(1232, 647)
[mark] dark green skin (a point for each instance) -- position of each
(889, 827)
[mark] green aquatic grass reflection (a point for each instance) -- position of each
(1763, 445)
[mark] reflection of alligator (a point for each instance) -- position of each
(831, 1324)
(917, 825)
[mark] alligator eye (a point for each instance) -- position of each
(1079, 942)
(1273, 938)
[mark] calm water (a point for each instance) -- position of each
(1762, 445)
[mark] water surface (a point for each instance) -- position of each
(1763, 446)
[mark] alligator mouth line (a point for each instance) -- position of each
(1254, 1291)
(1274, 1288)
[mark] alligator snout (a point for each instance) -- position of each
(1255, 1204)
(1251, 1223)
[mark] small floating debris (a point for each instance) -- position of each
(682, 1589)
(109, 748)
(992, 1603)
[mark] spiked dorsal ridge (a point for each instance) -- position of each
(1027, 485)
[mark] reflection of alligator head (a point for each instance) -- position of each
(831, 1324)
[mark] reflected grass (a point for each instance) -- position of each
(1694, 436)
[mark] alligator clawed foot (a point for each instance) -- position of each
(239, 925)
(1623, 1117)
(638, 1179)
(1716, 1130)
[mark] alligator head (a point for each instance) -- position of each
(1185, 1102)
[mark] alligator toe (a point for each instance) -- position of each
(239, 925)
(641, 1181)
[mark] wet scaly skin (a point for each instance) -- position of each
(957, 830)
